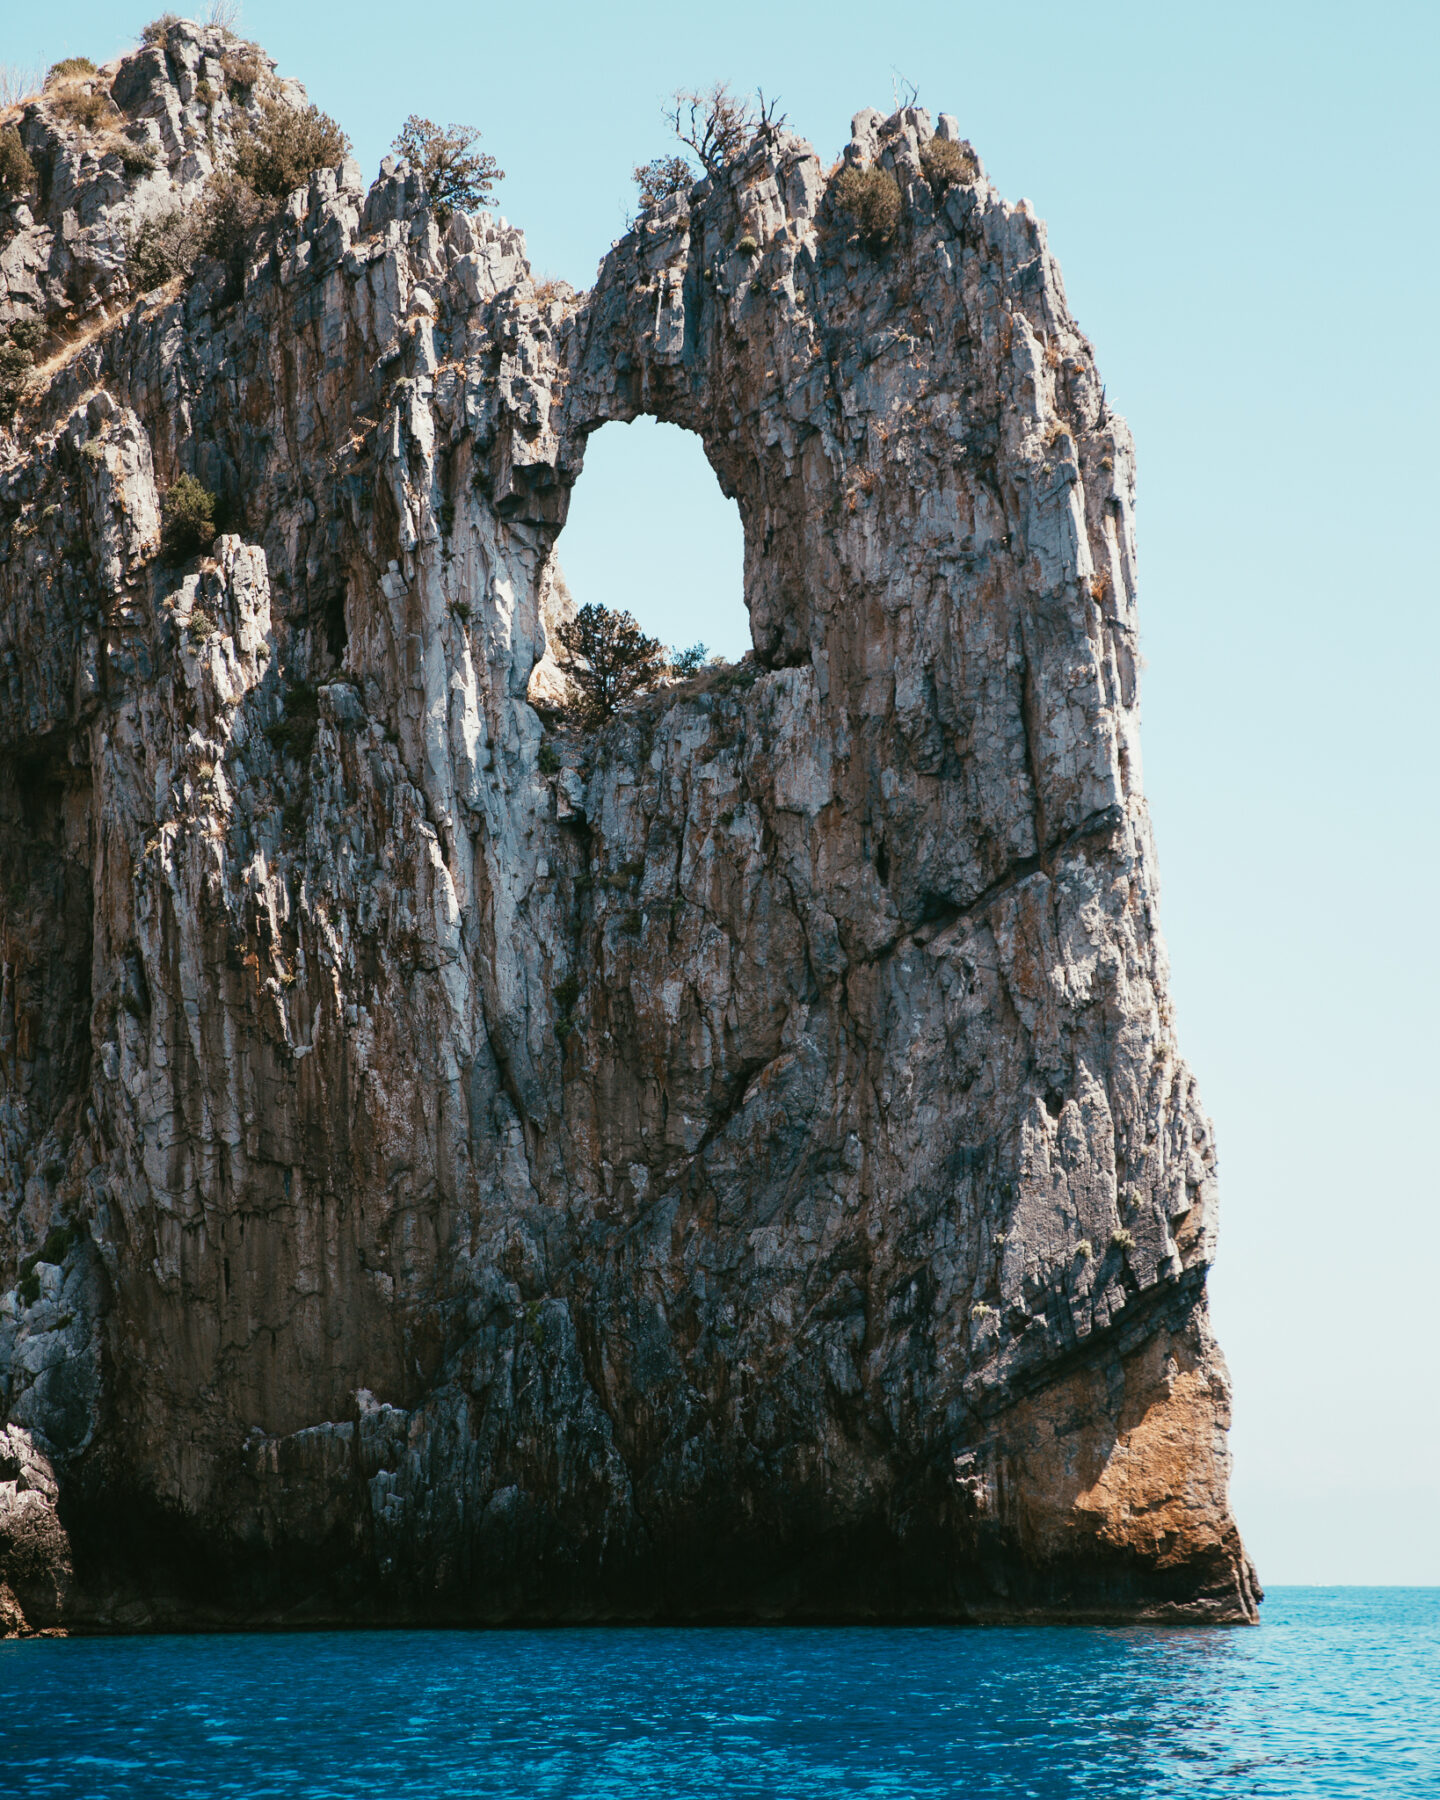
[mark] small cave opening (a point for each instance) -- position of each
(650, 532)
(37, 782)
(336, 635)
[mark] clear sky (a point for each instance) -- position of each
(1243, 196)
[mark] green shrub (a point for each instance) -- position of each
(870, 199)
(187, 520)
(947, 164)
(685, 663)
(283, 150)
(229, 212)
(136, 159)
(163, 245)
(567, 992)
(739, 676)
(16, 363)
(17, 172)
(201, 625)
(661, 179)
(748, 246)
(548, 761)
(69, 65)
(157, 30)
(457, 176)
(29, 334)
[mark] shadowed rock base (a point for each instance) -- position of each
(1066, 1514)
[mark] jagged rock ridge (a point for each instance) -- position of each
(458, 1167)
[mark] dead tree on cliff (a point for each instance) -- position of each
(609, 660)
(717, 125)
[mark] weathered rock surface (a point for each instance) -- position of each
(736, 1164)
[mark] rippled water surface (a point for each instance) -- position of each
(1337, 1693)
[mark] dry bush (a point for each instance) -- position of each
(85, 107)
(718, 124)
(282, 151)
(715, 123)
(158, 29)
(947, 164)
(18, 84)
(870, 199)
(163, 245)
(244, 65)
(15, 367)
(550, 289)
(230, 211)
(661, 179)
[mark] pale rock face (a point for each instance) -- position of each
(736, 1164)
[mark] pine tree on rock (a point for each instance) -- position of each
(609, 659)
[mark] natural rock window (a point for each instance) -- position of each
(649, 532)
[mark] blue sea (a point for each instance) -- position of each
(1337, 1693)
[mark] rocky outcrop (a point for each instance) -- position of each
(457, 1166)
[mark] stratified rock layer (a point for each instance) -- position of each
(731, 1165)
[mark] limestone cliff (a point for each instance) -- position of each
(456, 1166)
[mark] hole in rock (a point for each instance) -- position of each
(336, 635)
(650, 533)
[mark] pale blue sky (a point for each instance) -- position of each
(1243, 199)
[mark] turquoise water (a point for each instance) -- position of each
(1338, 1693)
